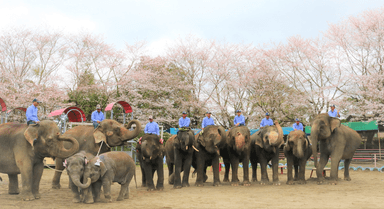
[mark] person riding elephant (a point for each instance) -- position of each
(237, 149)
(265, 145)
(109, 133)
(208, 147)
(23, 149)
(75, 166)
(336, 141)
(297, 150)
(178, 151)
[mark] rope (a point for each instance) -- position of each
(53, 168)
(100, 148)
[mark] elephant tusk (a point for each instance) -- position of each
(195, 148)
(186, 148)
(150, 158)
(143, 158)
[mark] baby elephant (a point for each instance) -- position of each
(297, 150)
(110, 167)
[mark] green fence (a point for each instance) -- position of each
(357, 126)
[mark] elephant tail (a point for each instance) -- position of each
(134, 175)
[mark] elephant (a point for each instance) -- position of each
(106, 168)
(237, 149)
(179, 152)
(108, 134)
(150, 151)
(336, 141)
(75, 166)
(297, 150)
(23, 149)
(208, 145)
(265, 145)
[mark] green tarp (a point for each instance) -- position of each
(357, 126)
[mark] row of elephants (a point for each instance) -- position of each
(24, 147)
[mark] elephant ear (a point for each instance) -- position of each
(31, 133)
(200, 140)
(99, 135)
(103, 169)
(259, 140)
(335, 123)
(176, 142)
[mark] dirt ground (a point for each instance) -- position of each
(366, 190)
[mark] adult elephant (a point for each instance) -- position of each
(297, 150)
(178, 152)
(336, 141)
(237, 149)
(208, 145)
(108, 134)
(23, 149)
(265, 146)
(150, 151)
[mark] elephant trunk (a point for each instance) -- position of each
(64, 153)
(127, 134)
(280, 139)
(77, 182)
(314, 139)
(239, 141)
(298, 150)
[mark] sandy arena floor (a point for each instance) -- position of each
(366, 190)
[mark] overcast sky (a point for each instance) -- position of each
(160, 21)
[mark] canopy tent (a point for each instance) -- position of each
(357, 126)
(3, 105)
(75, 114)
(127, 109)
(18, 108)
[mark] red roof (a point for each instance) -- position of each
(75, 114)
(3, 105)
(18, 108)
(125, 105)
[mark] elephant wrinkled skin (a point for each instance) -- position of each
(109, 134)
(23, 149)
(336, 141)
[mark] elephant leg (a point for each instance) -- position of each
(57, 175)
(96, 188)
(187, 170)
(27, 180)
(320, 167)
(200, 167)
(335, 160)
(254, 170)
(215, 167)
(75, 191)
(275, 168)
(160, 174)
(264, 174)
(107, 189)
(37, 173)
(171, 175)
(302, 163)
(88, 195)
(123, 190)
(178, 164)
(143, 179)
(126, 195)
(235, 168)
(296, 176)
(246, 171)
(13, 186)
(149, 176)
(347, 162)
(289, 169)
(227, 167)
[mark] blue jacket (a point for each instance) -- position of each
(332, 114)
(298, 127)
(152, 128)
(239, 119)
(266, 122)
(207, 121)
(184, 122)
(31, 113)
(97, 116)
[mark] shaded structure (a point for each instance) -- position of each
(23, 109)
(72, 114)
(3, 109)
(126, 107)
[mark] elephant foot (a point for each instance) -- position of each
(143, 185)
(347, 178)
(56, 186)
(37, 195)
(120, 198)
(217, 183)
(14, 191)
(254, 180)
(160, 188)
(276, 183)
(226, 179)
(97, 199)
(151, 189)
(246, 183)
(185, 184)
(302, 182)
(290, 182)
(171, 179)
(320, 181)
(199, 184)
(205, 178)
(76, 200)
(177, 187)
(235, 184)
(28, 197)
(333, 183)
(88, 201)
(264, 182)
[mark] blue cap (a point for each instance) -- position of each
(267, 114)
(238, 111)
(208, 112)
(184, 112)
(333, 106)
(297, 119)
(35, 100)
